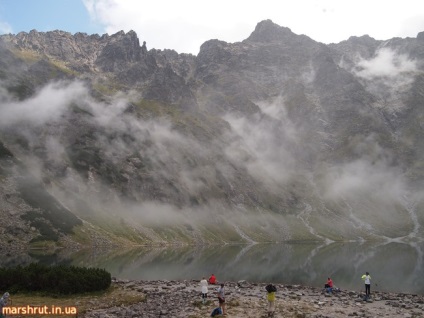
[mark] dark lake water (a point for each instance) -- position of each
(393, 266)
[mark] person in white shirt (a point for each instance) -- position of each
(204, 288)
(367, 280)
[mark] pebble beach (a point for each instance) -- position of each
(245, 299)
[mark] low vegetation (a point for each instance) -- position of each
(57, 280)
(114, 296)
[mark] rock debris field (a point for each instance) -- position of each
(244, 299)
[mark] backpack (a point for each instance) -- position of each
(271, 288)
(216, 311)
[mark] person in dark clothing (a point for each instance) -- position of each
(221, 298)
(3, 302)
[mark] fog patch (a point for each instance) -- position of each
(363, 178)
(158, 214)
(55, 149)
(309, 75)
(386, 64)
(193, 180)
(371, 174)
(5, 28)
(387, 75)
(47, 104)
(260, 151)
(119, 138)
(264, 143)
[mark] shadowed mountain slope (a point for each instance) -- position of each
(277, 137)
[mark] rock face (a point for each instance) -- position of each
(272, 138)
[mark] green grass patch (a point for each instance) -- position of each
(109, 87)
(115, 296)
(63, 68)
(26, 55)
(54, 280)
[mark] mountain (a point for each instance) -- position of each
(274, 138)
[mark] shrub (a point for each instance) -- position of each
(58, 279)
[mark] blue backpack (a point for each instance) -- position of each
(216, 311)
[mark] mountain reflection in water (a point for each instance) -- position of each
(396, 267)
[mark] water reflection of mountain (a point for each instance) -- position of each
(393, 266)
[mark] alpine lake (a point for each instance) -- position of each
(393, 266)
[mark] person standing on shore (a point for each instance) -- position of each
(221, 298)
(271, 289)
(3, 302)
(204, 288)
(367, 280)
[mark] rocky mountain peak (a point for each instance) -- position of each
(213, 51)
(81, 51)
(364, 45)
(121, 46)
(129, 36)
(364, 39)
(268, 31)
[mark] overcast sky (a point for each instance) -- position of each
(185, 24)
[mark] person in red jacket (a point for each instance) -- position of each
(329, 285)
(212, 279)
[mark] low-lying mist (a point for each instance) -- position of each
(101, 158)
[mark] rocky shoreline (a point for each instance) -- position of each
(244, 299)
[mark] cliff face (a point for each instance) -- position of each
(276, 137)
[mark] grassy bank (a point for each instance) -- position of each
(116, 295)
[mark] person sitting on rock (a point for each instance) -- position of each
(212, 279)
(329, 285)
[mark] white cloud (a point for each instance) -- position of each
(362, 177)
(49, 103)
(372, 173)
(263, 144)
(5, 28)
(386, 63)
(185, 25)
(388, 75)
